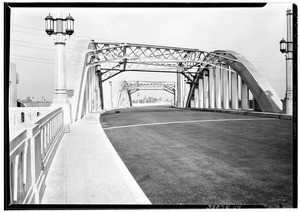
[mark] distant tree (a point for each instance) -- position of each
(28, 99)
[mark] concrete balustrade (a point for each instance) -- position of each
(32, 148)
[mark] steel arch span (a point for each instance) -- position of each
(236, 64)
(127, 88)
(211, 75)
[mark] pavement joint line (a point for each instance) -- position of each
(183, 122)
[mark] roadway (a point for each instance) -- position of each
(192, 157)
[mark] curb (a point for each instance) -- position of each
(242, 112)
(133, 186)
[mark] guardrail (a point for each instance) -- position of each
(31, 151)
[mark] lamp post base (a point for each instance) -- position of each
(288, 106)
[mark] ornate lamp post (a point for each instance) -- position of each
(286, 47)
(59, 29)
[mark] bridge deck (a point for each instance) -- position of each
(193, 157)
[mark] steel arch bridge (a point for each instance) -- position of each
(127, 88)
(216, 79)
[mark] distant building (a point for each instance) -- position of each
(30, 103)
(13, 81)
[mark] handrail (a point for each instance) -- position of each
(32, 148)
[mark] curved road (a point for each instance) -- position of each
(192, 157)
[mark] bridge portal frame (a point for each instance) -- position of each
(116, 58)
(131, 87)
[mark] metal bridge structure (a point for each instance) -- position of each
(208, 80)
(218, 79)
(127, 88)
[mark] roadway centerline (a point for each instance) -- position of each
(183, 122)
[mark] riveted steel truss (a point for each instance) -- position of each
(134, 86)
(130, 87)
(116, 58)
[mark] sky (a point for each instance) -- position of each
(253, 32)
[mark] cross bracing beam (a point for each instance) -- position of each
(112, 56)
(148, 85)
(127, 88)
(188, 64)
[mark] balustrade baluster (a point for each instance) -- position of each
(45, 136)
(55, 126)
(52, 130)
(42, 141)
(25, 162)
(15, 184)
(48, 134)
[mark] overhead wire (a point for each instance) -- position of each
(30, 42)
(28, 60)
(257, 59)
(152, 34)
(32, 47)
(31, 57)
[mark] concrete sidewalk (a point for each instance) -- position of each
(87, 170)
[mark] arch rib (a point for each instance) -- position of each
(262, 91)
(141, 57)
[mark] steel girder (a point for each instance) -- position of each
(116, 58)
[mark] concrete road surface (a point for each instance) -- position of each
(185, 157)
